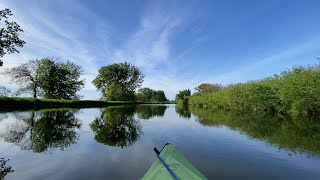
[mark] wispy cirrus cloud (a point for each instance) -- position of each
(149, 46)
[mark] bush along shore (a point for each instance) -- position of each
(295, 91)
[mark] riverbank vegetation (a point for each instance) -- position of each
(9, 103)
(57, 83)
(182, 97)
(294, 91)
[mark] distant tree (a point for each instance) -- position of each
(183, 94)
(159, 96)
(9, 35)
(26, 75)
(145, 94)
(60, 80)
(206, 88)
(124, 76)
(151, 95)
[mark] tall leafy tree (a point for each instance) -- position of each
(183, 94)
(119, 77)
(9, 35)
(26, 75)
(145, 94)
(159, 96)
(206, 88)
(60, 80)
(151, 95)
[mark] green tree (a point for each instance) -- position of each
(159, 96)
(206, 88)
(124, 76)
(151, 95)
(27, 76)
(60, 80)
(145, 94)
(9, 35)
(183, 94)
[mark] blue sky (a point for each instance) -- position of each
(177, 44)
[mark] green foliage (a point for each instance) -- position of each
(206, 88)
(9, 35)
(182, 94)
(150, 95)
(60, 80)
(55, 80)
(125, 78)
(293, 91)
(114, 93)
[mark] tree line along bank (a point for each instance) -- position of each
(294, 91)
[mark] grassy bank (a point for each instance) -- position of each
(294, 91)
(8, 103)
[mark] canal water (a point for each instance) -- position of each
(117, 143)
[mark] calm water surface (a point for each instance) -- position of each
(117, 143)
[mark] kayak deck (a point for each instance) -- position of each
(180, 166)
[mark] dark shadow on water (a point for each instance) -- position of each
(296, 134)
(42, 130)
(116, 126)
(149, 111)
(183, 111)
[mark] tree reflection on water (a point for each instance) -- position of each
(116, 126)
(42, 130)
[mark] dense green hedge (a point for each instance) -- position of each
(293, 91)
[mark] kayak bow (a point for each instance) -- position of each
(171, 164)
